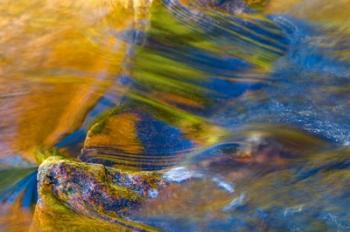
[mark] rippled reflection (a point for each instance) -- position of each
(174, 115)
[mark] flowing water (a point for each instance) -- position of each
(241, 107)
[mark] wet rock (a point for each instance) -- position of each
(95, 191)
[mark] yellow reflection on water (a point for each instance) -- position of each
(14, 218)
(60, 56)
(324, 12)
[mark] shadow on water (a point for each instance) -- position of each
(240, 106)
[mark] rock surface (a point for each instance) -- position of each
(94, 191)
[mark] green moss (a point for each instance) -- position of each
(43, 153)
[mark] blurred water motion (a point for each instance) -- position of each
(57, 59)
(240, 108)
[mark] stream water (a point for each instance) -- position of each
(241, 106)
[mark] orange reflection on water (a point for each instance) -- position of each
(60, 56)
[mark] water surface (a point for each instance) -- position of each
(241, 106)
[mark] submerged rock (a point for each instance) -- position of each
(220, 187)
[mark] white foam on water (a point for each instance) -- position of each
(235, 203)
(153, 193)
(179, 174)
(224, 185)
